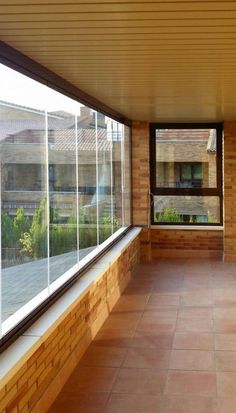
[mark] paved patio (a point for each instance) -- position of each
(21, 283)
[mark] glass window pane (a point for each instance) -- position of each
(104, 179)
(87, 185)
(23, 190)
(127, 177)
(116, 136)
(62, 185)
(186, 158)
(186, 171)
(187, 209)
(65, 189)
(197, 171)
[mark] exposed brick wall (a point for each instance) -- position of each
(140, 184)
(168, 242)
(230, 191)
(140, 172)
(158, 242)
(34, 385)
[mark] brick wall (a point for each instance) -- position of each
(186, 243)
(157, 242)
(140, 172)
(230, 191)
(140, 184)
(35, 383)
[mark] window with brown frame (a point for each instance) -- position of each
(186, 174)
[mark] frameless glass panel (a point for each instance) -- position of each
(127, 177)
(65, 189)
(87, 185)
(116, 136)
(23, 190)
(186, 158)
(104, 179)
(187, 209)
(61, 121)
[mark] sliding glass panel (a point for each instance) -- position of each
(104, 179)
(186, 158)
(116, 137)
(127, 177)
(65, 190)
(62, 184)
(87, 185)
(23, 190)
(187, 209)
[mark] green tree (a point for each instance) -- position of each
(34, 242)
(21, 224)
(9, 237)
(169, 215)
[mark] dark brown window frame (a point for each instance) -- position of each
(217, 192)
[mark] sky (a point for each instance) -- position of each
(19, 89)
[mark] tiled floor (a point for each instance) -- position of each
(169, 346)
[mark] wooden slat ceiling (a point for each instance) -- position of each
(153, 60)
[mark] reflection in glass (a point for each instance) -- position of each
(116, 137)
(62, 189)
(187, 209)
(24, 224)
(127, 177)
(65, 189)
(87, 185)
(186, 158)
(104, 179)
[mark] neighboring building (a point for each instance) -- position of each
(186, 159)
(23, 172)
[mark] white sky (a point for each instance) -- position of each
(19, 89)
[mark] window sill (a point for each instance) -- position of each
(190, 227)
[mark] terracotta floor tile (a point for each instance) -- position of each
(163, 300)
(162, 341)
(225, 360)
(199, 298)
(195, 312)
(192, 360)
(194, 341)
(225, 313)
(167, 289)
(226, 384)
(227, 405)
(190, 405)
(198, 325)
(113, 337)
(225, 342)
(191, 383)
(80, 403)
(147, 358)
(140, 381)
(195, 285)
(91, 379)
(159, 313)
(224, 326)
(139, 287)
(157, 326)
(103, 356)
(123, 321)
(225, 296)
(131, 303)
(124, 403)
